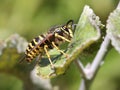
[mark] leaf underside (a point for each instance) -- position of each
(86, 33)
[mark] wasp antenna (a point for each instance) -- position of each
(70, 22)
(74, 26)
(21, 60)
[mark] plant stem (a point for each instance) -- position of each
(100, 56)
(82, 86)
(80, 67)
(89, 74)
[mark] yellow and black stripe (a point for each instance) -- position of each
(50, 40)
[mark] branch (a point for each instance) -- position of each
(82, 86)
(100, 56)
(81, 68)
(89, 73)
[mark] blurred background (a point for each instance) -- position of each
(29, 18)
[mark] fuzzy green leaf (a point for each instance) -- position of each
(86, 33)
(9, 50)
(113, 28)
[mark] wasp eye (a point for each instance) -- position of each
(57, 30)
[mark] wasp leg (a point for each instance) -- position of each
(48, 55)
(59, 49)
(59, 36)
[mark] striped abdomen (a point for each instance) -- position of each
(33, 49)
(36, 46)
